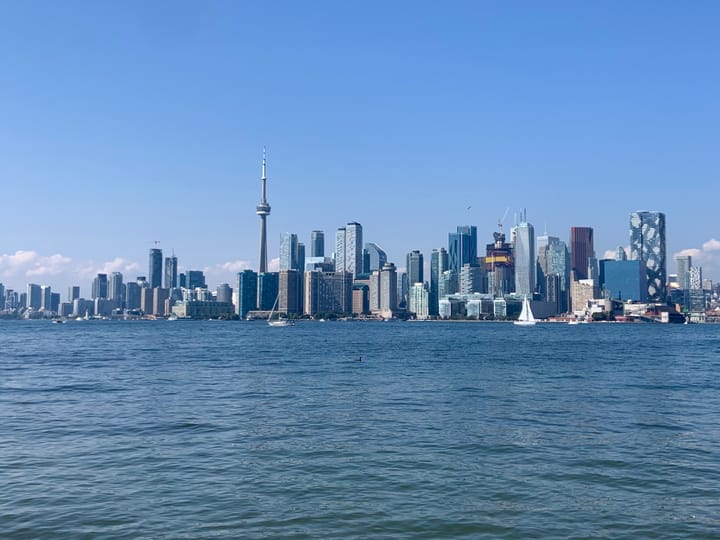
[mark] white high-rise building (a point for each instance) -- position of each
(348, 249)
(524, 255)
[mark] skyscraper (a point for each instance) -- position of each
(348, 249)
(247, 287)
(115, 289)
(263, 210)
(374, 257)
(288, 251)
(100, 286)
(415, 268)
(438, 265)
(647, 243)
(171, 274)
(155, 268)
(684, 263)
(581, 250)
(462, 247)
(524, 256)
(317, 244)
(46, 298)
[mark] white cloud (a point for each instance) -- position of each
(29, 264)
(224, 272)
(711, 245)
(274, 265)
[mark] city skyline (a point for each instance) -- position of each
(125, 126)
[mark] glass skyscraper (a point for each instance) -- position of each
(581, 250)
(317, 244)
(462, 247)
(155, 268)
(524, 257)
(647, 243)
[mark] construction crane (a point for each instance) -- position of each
(502, 219)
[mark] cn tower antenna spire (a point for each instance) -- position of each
(263, 210)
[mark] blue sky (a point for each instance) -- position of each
(126, 123)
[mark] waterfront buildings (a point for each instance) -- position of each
(327, 292)
(647, 243)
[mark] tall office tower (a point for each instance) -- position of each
(499, 266)
(223, 293)
(348, 249)
(581, 249)
(415, 268)
(462, 247)
(289, 291)
(155, 268)
(288, 251)
(524, 256)
(402, 289)
(300, 257)
(115, 289)
(418, 300)
(327, 292)
(132, 295)
(684, 263)
(73, 293)
(438, 264)
(33, 298)
(46, 298)
(267, 291)
(647, 243)
(171, 273)
(196, 280)
(317, 244)
(100, 286)
(247, 287)
(263, 210)
(374, 258)
(388, 290)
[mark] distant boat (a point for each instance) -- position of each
(279, 321)
(526, 317)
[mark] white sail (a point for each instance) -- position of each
(526, 317)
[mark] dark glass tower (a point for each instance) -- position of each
(438, 265)
(462, 247)
(581, 250)
(171, 275)
(317, 244)
(155, 268)
(647, 243)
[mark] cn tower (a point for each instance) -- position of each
(263, 210)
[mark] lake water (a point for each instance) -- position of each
(443, 430)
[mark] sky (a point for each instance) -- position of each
(123, 124)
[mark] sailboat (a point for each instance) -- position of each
(279, 321)
(526, 317)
